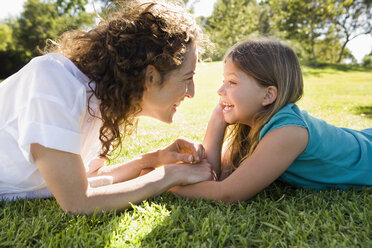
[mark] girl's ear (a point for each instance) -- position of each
(271, 94)
(152, 76)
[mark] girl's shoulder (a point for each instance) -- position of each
(289, 115)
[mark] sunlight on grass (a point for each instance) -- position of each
(134, 226)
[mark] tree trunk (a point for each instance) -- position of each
(313, 51)
(344, 45)
(342, 51)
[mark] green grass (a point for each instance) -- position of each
(280, 216)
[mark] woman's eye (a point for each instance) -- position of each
(232, 83)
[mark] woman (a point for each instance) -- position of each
(64, 108)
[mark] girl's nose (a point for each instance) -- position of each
(221, 90)
(190, 91)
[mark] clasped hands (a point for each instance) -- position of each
(187, 154)
(182, 151)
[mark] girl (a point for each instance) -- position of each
(63, 109)
(270, 137)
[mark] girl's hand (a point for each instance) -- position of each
(182, 150)
(194, 173)
(217, 116)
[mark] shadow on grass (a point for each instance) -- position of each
(206, 223)
(42, 223)
(365, 111)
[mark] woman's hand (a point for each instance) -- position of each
(182, 150)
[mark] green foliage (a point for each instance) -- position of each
(11, 61)
(230, 22)
(71, 7)
(6, 37)
(21, 38)
(41, 20)
(320, 29)
(303, 20)
(12, 57)
(351, 19)
(328, 49)
(280, 216)
(367, 61)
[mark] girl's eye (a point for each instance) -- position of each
(229, 83)
(189, 79)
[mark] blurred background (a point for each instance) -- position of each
(322, 32)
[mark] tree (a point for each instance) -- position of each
(6, 37)
(12, 57)
(42, 20)
(353, 18)
(71, 7)
(367, 61)
(230, 22)
(303, 20)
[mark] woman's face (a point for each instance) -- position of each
(160, 101)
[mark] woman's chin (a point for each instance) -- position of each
(167, 119)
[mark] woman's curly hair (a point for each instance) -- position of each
(115, 54)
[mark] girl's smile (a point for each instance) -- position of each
(226, 107)
(241, 96)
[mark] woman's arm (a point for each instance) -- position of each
(181, 150)
(65, 176)
(213, 139)
(273, 155)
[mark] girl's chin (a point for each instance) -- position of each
(228, 120)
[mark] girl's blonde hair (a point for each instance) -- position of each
(116, 53)
(270, 63)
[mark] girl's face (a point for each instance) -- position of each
(161, 101)
(241, 97)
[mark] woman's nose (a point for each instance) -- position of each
(190, 91)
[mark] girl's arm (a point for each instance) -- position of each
(273, 155)
(213, 139)
(65, 176)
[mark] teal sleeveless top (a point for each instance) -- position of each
(334, 157)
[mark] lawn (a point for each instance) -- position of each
(280, 216)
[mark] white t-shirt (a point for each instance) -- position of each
(45, 103)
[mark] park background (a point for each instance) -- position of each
(320, 31)
(338, 89)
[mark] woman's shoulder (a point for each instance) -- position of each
(53, 64)
(52, 78)
(289, 115)
(52, 74)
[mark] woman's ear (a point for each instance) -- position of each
(271, 94)
(152, 76)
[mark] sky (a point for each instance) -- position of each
(360, 46)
